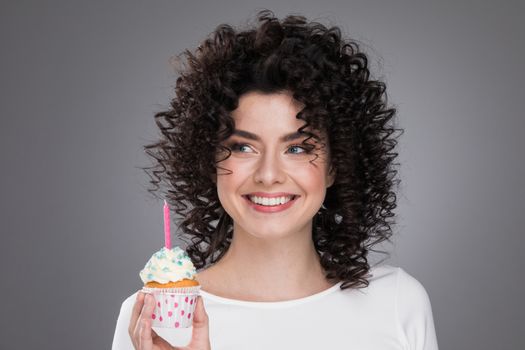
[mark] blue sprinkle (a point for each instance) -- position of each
(160, 255)
(179, 263)
(166, 269)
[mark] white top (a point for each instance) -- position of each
(393, 312)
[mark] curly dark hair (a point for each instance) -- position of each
(331, 77)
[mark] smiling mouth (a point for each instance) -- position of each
(270, 202)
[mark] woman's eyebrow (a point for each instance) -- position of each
(285, 138)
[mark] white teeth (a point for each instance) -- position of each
(270, 201)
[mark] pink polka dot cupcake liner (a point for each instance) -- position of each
(174, 307)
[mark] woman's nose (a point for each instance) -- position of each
(269, 170)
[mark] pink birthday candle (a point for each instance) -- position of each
(167, 236)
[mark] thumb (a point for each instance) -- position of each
(200, 338)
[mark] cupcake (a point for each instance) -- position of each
(169, 276)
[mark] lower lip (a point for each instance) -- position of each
(270, 209)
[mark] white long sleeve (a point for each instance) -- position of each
(393, 312)
(121, 339)
(415, 313)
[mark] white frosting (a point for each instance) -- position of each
(168, 265)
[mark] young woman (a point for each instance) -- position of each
(277, 153)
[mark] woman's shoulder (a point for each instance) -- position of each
(389, 278)
(383, 275)
(413, 310)
(408, 293)
(391, 291)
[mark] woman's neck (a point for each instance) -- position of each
(266, 269)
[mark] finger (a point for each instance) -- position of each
(145, 333)
(201, 335)
(135, 313)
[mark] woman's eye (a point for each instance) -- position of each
(240, 147)
(298, 149)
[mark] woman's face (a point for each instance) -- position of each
(265, 163)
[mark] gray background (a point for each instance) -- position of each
(80, 82)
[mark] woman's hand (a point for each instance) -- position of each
(145, 338)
